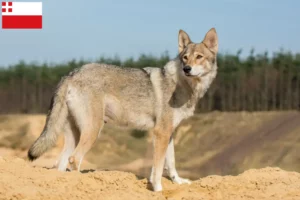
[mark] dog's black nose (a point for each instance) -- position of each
(187, 69)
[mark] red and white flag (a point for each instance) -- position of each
(22, 15)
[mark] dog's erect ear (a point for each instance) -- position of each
(183, 40)
(211, 40)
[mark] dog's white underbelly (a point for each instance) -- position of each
(132, 120)
(140, 121)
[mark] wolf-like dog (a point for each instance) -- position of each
(154, 99)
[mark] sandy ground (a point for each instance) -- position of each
(239, 144)
(19, 180)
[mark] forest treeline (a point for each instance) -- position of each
(258, 82)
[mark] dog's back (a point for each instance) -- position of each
(128, 92)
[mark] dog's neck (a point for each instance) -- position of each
(194, 88)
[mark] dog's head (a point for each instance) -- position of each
(198, 59)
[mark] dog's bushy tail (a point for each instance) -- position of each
(54, 123)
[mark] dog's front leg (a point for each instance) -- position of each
(161, 139)
(170, 165)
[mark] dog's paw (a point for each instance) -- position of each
(180, 180)
(157, 187)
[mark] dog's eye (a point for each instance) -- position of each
(199, 57)
(185, 57)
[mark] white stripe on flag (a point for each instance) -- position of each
(24, 8)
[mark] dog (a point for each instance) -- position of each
(154, 99)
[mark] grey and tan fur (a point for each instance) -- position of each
(151, 99)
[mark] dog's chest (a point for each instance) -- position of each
(205, 83)
(180, 114)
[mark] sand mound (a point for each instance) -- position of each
(19, 180)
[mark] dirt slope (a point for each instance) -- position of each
(21, 181)
(272, 133)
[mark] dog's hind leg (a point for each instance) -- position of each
(71, 138)
(170, 164)
(87, 110)
(88, 137)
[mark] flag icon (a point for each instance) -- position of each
(22, 15)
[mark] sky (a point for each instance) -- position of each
(78, 29)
